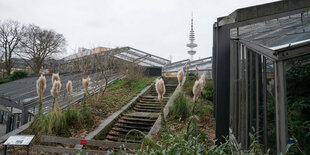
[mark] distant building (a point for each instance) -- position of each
(84, 52)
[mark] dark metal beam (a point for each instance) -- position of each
(265, 11)
(150, 54)
(221, 73)
(10, 103)
(259, 49)
(141, 58)
(141, 55)
(294, 51)
(281, 114)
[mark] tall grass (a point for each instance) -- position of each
(59, 123)
(197, 89)
(200, 145)
(41, 85)
(87, 117)
(72, 117)
(189, 83)
(181, 107)
(55, 77)
(160, 89)
(69, 90)
(180, 77)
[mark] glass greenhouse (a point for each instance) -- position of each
(269, 75)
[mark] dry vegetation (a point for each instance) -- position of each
(115, 96)
(182, 108)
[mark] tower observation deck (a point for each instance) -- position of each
(191, 45)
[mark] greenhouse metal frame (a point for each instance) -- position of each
(251, 48)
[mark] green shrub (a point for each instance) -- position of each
(298, 107)
(55, 124)
(5, 80)
(189, 83)
(204, 108)
(181, 107)
(49, 125)
(177, 144)
(58, 125)
(18, 74)
(39, 126)
(190, 144)
(207, 93)
(87, 117)
(72, 117)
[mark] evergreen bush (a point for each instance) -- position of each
(87, 117)
(18, 74)
(181, 107)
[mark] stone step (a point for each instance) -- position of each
(148, 107)
(117, 129)
(154, 91)
(165, 95)
(153, 97)
(146, 110)
(117, 139)
(151, 102)
(124, 131)
(123, 135)
(138, 119)
(166, 92)
(137, 127)
(144, 115)
(135, 123)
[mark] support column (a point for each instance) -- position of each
(281, 117)
(233, 108)
(222, 81)
(25, 115)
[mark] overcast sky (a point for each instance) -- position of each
(160, 27)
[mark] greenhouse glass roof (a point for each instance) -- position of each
(276, 34)
(22, 93)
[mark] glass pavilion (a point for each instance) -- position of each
(269, 75)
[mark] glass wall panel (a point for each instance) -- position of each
(259, 97)
(255, 93)
(256, 98)
(242, 95)
(240, 89)
(252, 92)
(270, 106)
(298, 103)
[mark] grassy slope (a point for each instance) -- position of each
(177, 140)
(103, 105)
(203, 109)
(119, 93)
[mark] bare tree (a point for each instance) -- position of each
(10, 36)
(1, 64)
(105, 65)
(39, 44)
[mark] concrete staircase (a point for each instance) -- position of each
(142, 116)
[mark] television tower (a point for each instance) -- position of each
(191, 45)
